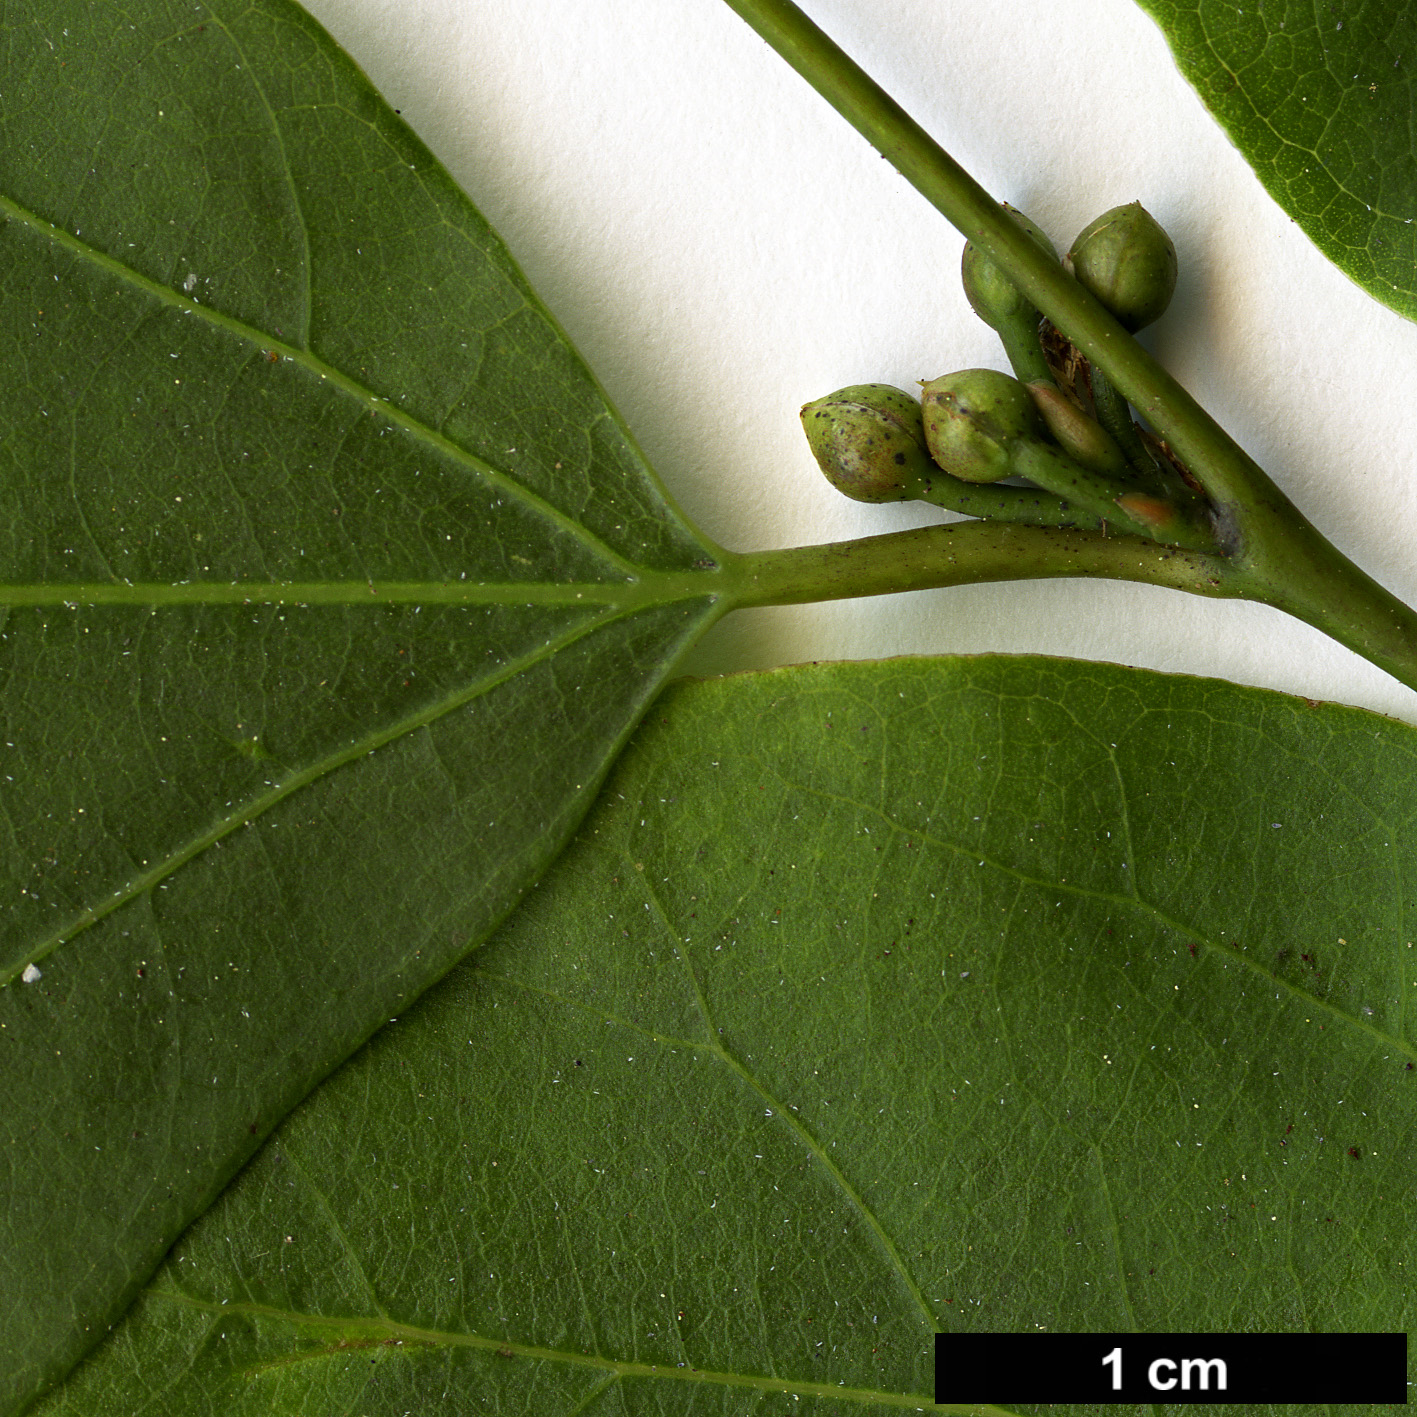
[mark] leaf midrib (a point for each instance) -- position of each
(260, 340)
(636, 591)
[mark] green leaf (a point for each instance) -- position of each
(1320, 102)
(871, 1000)
(329, 586)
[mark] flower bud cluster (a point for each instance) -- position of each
(877, 443)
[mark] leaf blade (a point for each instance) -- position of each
(710, 1119)
(330, 586)
(1321, 108)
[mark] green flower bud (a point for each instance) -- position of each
(1126, 259)
(869, 442)
(992, 295)
(974, 418)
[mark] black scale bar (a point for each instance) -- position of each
(1290, 1368)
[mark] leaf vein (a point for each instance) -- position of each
(790, 1119)
(377, 1331)
(1122, 901)
(495, 477)
(257, 807)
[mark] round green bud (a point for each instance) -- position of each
(973, 419)
(869, 442)
(1126, 259)
(992, 295)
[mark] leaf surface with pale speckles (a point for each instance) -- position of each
(870, 1000)
(329, 587)
(1320, 100)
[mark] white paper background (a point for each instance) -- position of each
(722, 248)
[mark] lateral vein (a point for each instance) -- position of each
(385, 1333)
(259, 340)
(258, 806)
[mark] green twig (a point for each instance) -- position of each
(1270, 551)
(1025, 354)
(967, 553)
(1127, 510)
